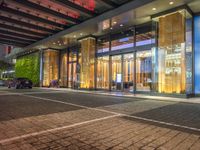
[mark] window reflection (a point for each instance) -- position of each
(116, 72)
(102, 45)
(128, 72)
(171, 53)
(123, 43)
(103, 72)
(50, 63)
(72, 75)
(144, 39)
(143, 70)
(63, 70)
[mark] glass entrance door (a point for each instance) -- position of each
(116, 72)
(128, 72)
(72, 75)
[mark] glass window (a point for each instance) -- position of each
(72, 56)
(189, 57)
(143, 70)
(103, 45)
(144, 35)
(63, 70)
(144, 39)
(50, 63)
(128, 72)
(173, 52)
(116, 72)
(122, 40)
(123, 43)
(103, 72)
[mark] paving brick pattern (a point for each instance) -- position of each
(116, 133)
(33, 124)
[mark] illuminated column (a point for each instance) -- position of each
(88, 62)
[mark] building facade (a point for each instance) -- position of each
(160, 57)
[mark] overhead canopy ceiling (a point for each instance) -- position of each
(23, 22)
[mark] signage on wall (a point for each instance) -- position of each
(119, 78)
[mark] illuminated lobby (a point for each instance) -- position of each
(150, 48)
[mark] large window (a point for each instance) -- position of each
(144, 35)
(117, 72)
(103, 72)
(174, 53)
(123, 43)
(72, 66)
(103, 45)
(122, 40)
(50, 63)
(63, 70)
(143, 70)
(128, 72)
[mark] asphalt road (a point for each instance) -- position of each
(67, 120)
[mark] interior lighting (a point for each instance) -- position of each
(171, 2)
(154, 9)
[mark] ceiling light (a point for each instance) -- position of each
(114, 22)
(74, 36)
(154, 9)
(81, 34)
(121, 25)
(54, 43)
(111, 28)
(171, 3)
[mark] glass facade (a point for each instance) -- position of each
(103, 72)
(116, 72)
(128, 72)
(153, 57)
(144, 70)
(50, 66)
(174, 53)
(63, 70)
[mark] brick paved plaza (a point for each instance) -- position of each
(66, 120)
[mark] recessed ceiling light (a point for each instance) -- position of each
(121, 25)
(74, 36)
(154, 9)
(114, 22)
(171, 3)
(81, 33)
(111, 28)
(54, 43)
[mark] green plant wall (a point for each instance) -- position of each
(29, 67)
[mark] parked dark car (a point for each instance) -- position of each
(20, 83)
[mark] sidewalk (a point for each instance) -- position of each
(194, 100)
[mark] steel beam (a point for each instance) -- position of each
(25, 24)
(13, 28)
(75, 7)
(12, 42)
(38, 7)
(5, 32)
(108, 3)
(29, 16)
(16, 38)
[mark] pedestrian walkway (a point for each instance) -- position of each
(129, 95)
